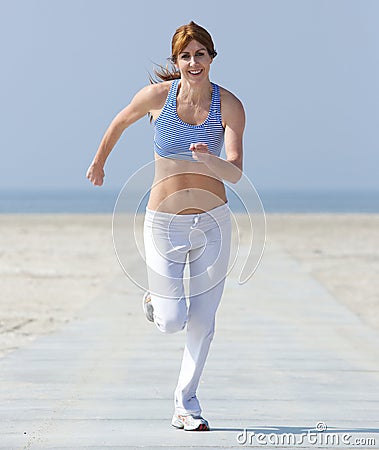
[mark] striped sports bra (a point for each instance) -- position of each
(173, 137)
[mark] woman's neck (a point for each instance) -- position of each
(194, 94)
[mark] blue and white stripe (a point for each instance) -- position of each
(173, 137)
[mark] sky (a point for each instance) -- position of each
(306, 71)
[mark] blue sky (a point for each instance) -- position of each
(306, 71)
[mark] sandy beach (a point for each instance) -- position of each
(52, 266)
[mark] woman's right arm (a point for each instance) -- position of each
(147, 99)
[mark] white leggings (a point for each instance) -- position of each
(205, 239)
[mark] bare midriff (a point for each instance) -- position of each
(184, 187)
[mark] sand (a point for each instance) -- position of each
(340, 251)
(52, 266)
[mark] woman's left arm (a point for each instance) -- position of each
(233, 115)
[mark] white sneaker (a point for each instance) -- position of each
(148, 307)
(190, 423)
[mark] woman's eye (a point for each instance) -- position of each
(198, 55)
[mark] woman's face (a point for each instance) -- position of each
(194, 62)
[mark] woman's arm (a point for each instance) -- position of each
(234, 123)
(147, 99)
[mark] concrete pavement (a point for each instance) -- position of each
(286, 356)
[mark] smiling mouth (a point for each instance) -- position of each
(195, 72)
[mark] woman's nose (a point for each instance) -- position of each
(193, 59)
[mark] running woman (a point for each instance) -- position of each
(187, 217)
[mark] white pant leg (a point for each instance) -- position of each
(166, 256)
(168, 240)
(208, 268)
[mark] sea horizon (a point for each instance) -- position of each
(81, 201)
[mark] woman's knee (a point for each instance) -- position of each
(171, 324)
(201, 325)
(201, 330)
(170, 315)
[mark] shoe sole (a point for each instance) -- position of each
(201, 427)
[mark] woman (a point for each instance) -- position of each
(187, 215)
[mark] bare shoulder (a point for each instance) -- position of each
(231, 106)
(154, 94)
(157, 89)
(229, 100)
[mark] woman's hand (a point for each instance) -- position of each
(199, 150)
(221, 168)
(95, 174)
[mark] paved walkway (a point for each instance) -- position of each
(286, 356)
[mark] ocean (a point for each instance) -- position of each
(103, 201)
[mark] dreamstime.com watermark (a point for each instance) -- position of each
(319, 437)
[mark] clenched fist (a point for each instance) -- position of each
(95, 174)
